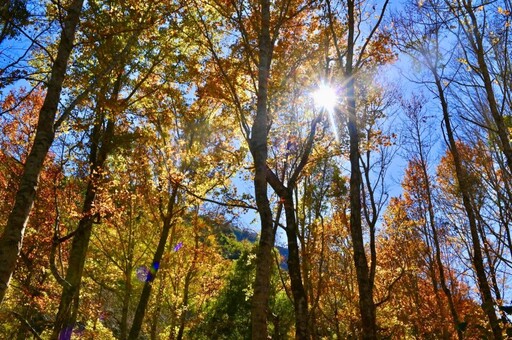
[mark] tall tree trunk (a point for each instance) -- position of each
(477, 257)
(12, 236)
(435, 237)
(186, 290)
(476, 43)
(127, 294)
(155, 264)
(258, 148)
(300, 300)
(66, 317)
(367, 306)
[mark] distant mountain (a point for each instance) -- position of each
(251, 236)
(242, 234)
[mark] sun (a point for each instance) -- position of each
(325, 97)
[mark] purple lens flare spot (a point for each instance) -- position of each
(142, 273)
(178, 246)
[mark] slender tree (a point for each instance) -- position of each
(260, 26)
(259, 150)
(428, 51)
(421, 188)
(286, 193)
(101, 145)
(12, 236)
(350, 61)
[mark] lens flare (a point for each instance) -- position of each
(178, 246)
(325, 97)
(142, 273)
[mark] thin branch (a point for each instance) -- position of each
(370, 36)
(388, 294)
(240, 203)
(26, 323)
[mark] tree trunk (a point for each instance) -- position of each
(146, 290)
(300, 300)
(258, 148)
(476, 43)
(437, 248)
(127, 293)
(12, 236)
(66, 317)
(367, 306)
(477, 257)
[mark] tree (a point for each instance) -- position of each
(12, 235)
(413, 299)
(35, 291)
(350, 62)
(419, 188)
(485, 53)
(258, 27)
(123, 240)
(286, 194)
(110, 107)
(428, 51)
(13, 14)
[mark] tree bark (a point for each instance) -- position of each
(12, 236)
(477, 45)
(146, 290)
(127, 294)
(66, 316)
(477, 257)
(300, 300)
(367, 306)
(258, 148)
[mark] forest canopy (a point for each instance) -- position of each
(255, 169)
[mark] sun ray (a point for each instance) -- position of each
(325, 97)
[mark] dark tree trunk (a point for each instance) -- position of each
(477, 257)
(364, 275)
(258, 148)
(66, 316)
(366, 304)
(127, 293)
(146, 290)
(300, 300)
(12, 236)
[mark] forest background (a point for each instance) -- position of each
(152, 152)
